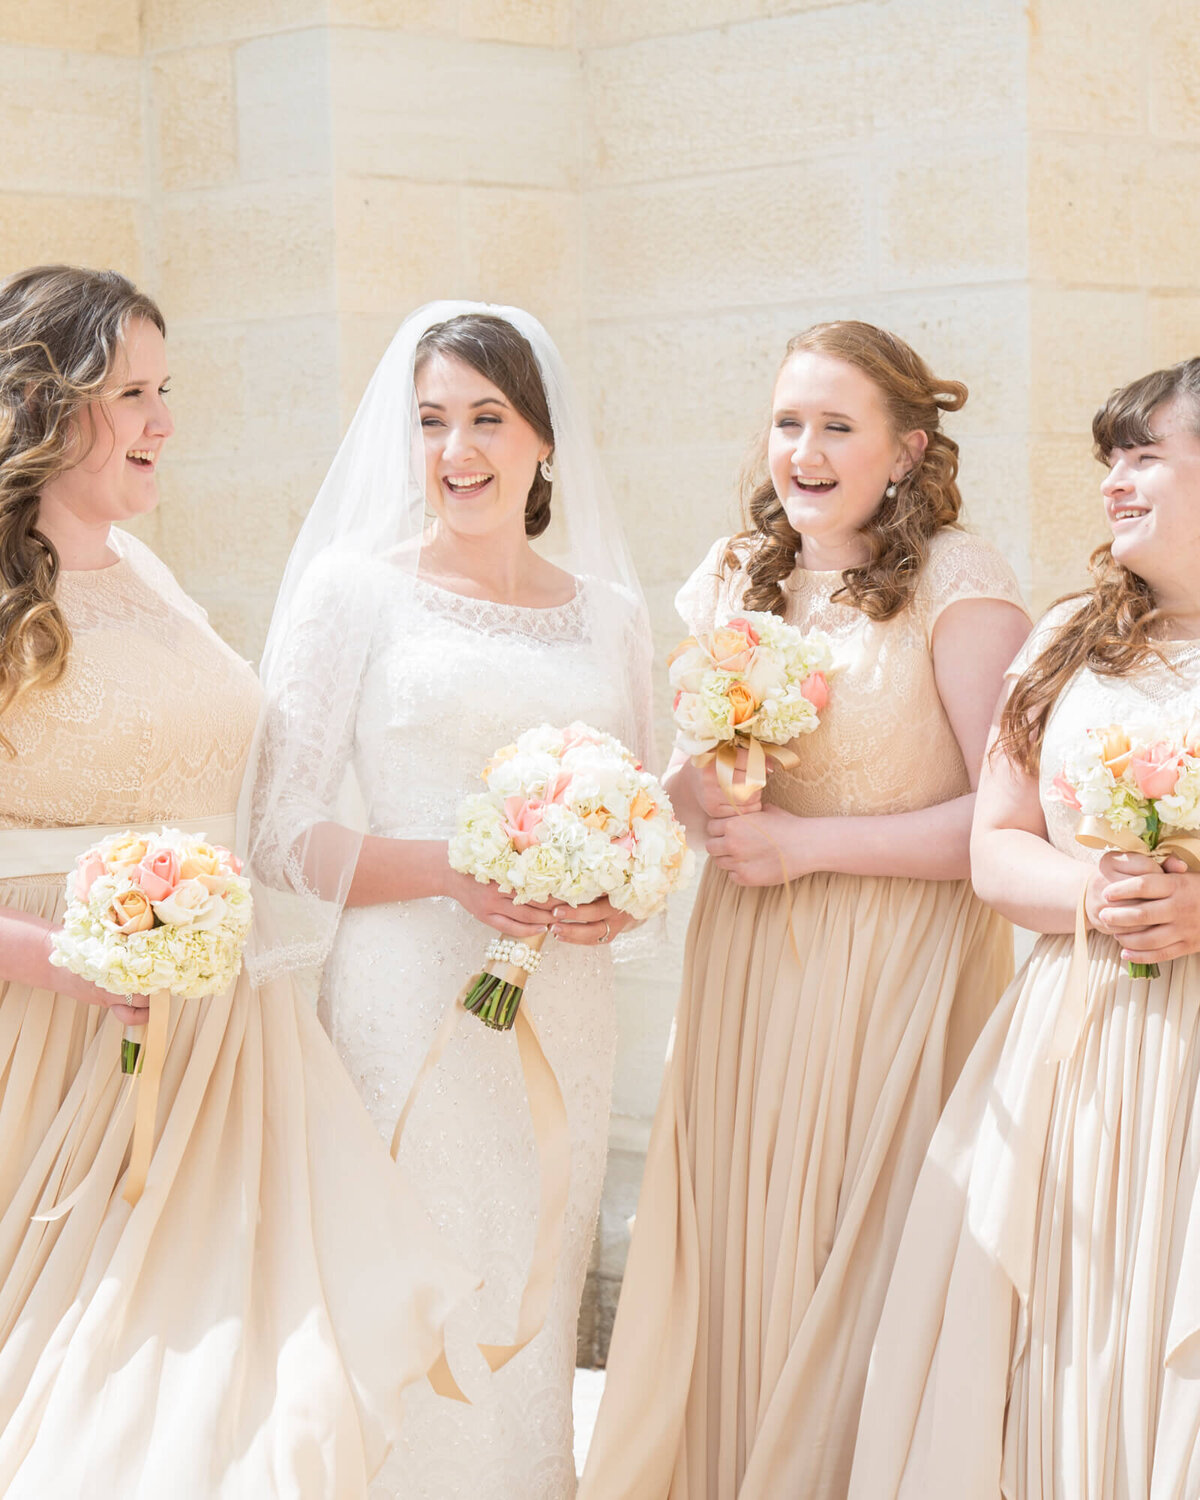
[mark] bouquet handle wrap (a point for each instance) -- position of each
(1097, 833)
(754, 778)
(552, 1138)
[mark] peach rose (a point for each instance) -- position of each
(130, 912)
(1066, 792)
(815, 688)
(88, 868)
(597, 820)
(1155, 769)
(229, 858)
(201, 859)
(1191, 740)
(741, 700)
(126, 850)
(732, 645)
(1115, 751)
(157, 874)
(642, 806)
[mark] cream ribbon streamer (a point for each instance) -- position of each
(552, 1138)
(1096, 833)
(754, 777)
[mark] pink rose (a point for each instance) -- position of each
(627, 841)
(88, 868)
(815, 688)
(1066, 792)
(522, 819)
(157, 874)
(230, 858)
(1156, 769)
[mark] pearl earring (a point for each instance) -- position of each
(546, 471)
(890, 492)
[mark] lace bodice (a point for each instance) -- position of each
(152, 719)
(1159, 691)
(885, 744)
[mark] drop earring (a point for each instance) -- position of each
(546, 471)
(890, 492)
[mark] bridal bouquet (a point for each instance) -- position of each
(754, 681)
(151, 912)
(568, 815)
(1139, 791)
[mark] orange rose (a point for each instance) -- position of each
(1116, 750)
(598, 819)
(131, 912)
(741, 700)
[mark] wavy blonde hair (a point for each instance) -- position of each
(899, 532)
(1110, 631)
(60, 327)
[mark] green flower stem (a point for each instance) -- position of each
(1143, 971)
(494, 1002)
(130, 1053)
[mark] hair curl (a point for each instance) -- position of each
(1110, 631)
(502, 354)
(898, 534)
(60, 327)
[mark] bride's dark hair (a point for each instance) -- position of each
(493, 346)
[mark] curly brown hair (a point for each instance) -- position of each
(504, 356)
(60, 327)
(926, 499)
(1110, 631)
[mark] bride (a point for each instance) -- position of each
(419, 630)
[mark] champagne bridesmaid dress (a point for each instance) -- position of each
(1041, 1336)
(247, 1329)
(819, 1031)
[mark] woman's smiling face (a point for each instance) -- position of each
(481, 455)
(1152, 497)
(832, 452)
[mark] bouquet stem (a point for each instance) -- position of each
(131, 1049)
(495, 993)
(1143, 971)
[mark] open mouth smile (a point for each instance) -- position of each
(813, 486)
(467, 484)
(142, 458)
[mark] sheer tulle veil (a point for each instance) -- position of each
(302, 813)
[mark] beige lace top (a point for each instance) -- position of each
(884, 744)
(153, 718)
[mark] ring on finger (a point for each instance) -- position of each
(607, 938)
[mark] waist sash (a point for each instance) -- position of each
(53, 851)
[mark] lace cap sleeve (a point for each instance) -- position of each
(1041, 636)
(963, 566)
(703, 597)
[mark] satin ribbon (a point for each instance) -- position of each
(754, 778)
(553, 1142)
(1096, 833)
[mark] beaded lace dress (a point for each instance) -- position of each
(448, 681)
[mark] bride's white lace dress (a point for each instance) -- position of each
(448, 681)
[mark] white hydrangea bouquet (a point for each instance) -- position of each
(754, 681)
(153, 912)
(1138, 790)
(568, 815)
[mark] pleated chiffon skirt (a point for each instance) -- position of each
(1041, 1338)
(248, 1328)
(811, 1059)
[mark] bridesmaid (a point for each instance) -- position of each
(1041, 1335)
(247, 1328)
(838, 967)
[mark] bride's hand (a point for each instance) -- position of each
(489, 905)
(597, 922)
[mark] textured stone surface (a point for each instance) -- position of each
(195, 117)
(1066, 516)
(182, 23)
(70, 122)
(1089, 66)
(87, 231)
(1174, 78)
(285, 128)
(83, 25)
(1086, 342)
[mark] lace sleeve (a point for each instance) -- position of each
(704, 596)
(305, 775)
(963, 566)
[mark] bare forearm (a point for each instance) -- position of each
(25, 949)
(399, 870)
(679, 783)
(1027, 879)
(931, 843)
